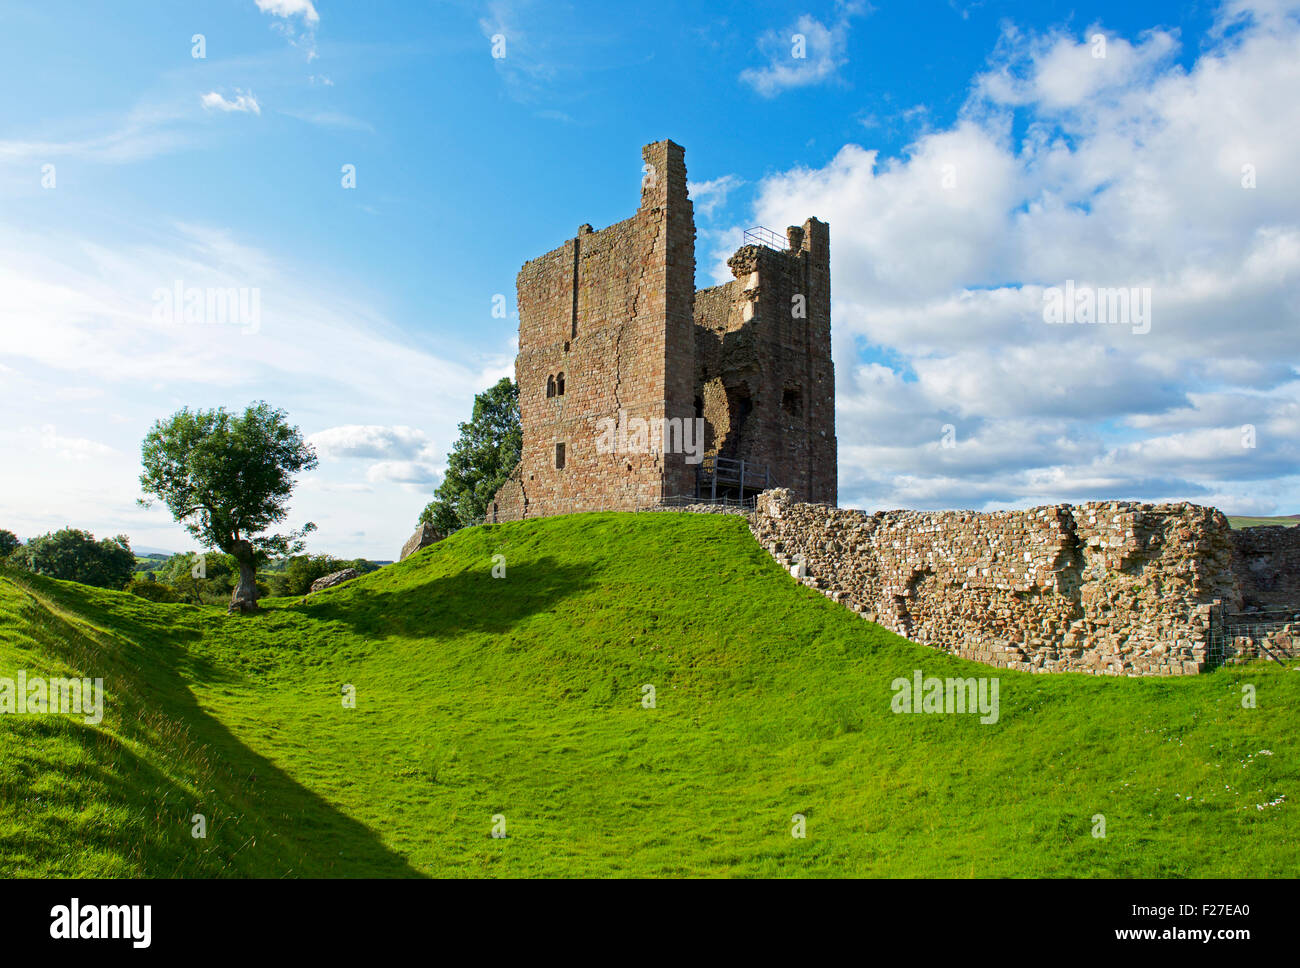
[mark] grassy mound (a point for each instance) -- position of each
(521, 697)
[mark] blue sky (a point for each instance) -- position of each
(375, 325)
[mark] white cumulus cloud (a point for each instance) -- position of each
(415, 475)
(1131, 170)
(370, 440)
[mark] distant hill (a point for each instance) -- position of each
(524, 698)
(1284, 520)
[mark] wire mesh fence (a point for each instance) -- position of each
(1269, 633)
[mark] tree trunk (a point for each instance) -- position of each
(244, 598)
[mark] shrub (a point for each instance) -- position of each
(301, 570)
(74, 555)
(154, 591)
(199, 579)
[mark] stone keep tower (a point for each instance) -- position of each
(765, 382)
(611, 331)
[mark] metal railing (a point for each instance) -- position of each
(690, 500)
(728, 472)
(761, 235)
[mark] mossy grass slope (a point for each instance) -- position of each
(522, 696)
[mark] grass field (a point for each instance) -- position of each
(521, 696)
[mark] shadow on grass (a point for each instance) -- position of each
(468, 600)
(261, 822)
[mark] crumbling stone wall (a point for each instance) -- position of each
(1115, 588)
(765, 381)
(1266, 561)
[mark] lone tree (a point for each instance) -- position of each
(228, 478)
(480, 461)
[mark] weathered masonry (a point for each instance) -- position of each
(635, 388)
(1114, 588)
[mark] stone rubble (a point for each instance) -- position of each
(425, 535)
(332, 579)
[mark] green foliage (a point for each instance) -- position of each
(522, 695)
(200, 579)
(301, 570)
(228, 478)
(74, 555)
(480, 461)
(208, 566)
(154, 591)
(9, 543)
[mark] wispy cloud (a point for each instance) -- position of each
(709, 195)
(515, 54)
(807, 53)
(547, 54)
(77, 312)
(298, 22)
(68, 448)
(143, 133)
(290, 8)
(241, 102)
(332, 119)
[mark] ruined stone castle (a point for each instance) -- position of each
(634, 388)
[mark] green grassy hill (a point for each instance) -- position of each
(522, 696)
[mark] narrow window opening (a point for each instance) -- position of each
(550, 386)
(559, 457)
(559, 385)
(739, 407)
(792, 401)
